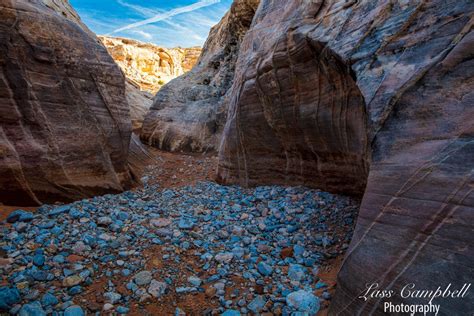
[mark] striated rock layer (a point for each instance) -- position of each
(147, 65)
(139, 102)
(325, 89)
(188, 114)
(64, 124)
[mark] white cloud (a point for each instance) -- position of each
(166, 15)
(146, 35)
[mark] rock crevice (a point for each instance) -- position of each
(188, 114)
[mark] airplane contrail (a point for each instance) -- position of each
(168, 14)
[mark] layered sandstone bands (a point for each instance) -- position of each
(64, 124)
(189, 113)
(147, 65)
(335, 94)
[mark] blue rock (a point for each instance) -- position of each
(59, 259)
(75, 290)
(47, 224)
(32, 309)
(75, 213)
(231, 312)
(19, 216)
(38, 260)
(59, 210)
(264, 269)
(185, 223)
(297, 272)
(42, 276)
(49, 300)
(303, 301)
(122, 310)
(298, 250)
(8, 297)
(74, 310)
(257, 304)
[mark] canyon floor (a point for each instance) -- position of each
(179, 245)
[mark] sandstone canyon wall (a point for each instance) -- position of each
(147, 65)
(188, 114)
(64, 124)
(372, 98)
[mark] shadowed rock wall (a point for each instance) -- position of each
(325, 89)
(64, 121)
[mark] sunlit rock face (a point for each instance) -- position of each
(64, 125)
(372, 98)
(147, 65)
(188, 114)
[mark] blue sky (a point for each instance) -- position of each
(168, 23)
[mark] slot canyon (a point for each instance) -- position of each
(309, 150)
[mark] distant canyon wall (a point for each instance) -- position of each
(188, 114)
(65, 125)
(369, 98)
(147, 65)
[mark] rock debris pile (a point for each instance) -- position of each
(244, 250)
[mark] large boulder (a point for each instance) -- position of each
(64, 125)
(370, 98)
(188, 114)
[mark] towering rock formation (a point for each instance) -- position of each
(188, 113)
(64, 124)
(325, 91)
(147, 65)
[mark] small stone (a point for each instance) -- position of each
(210, 292)
(32, 309)
(156, 288)
(122, 310)
(72, 280)
(49, 299)
(38, 260)
(225, 257)
(107, 307)
(60, 210)
(160, 222)
(194, 281)
(257, 304)
(264, 269)
(19, 216)
(286, 252)
(143, 278)
(185, 223)
(112, 297)
(231, 312)
(74, 310)
(9, 297)
(303, 301)
(297, 272)
(104, 221)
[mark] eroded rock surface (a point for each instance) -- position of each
(188, 113)
(139, 102)
(325, 89)
(64, 123)
(147, 65)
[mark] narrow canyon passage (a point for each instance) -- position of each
(180, 243)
